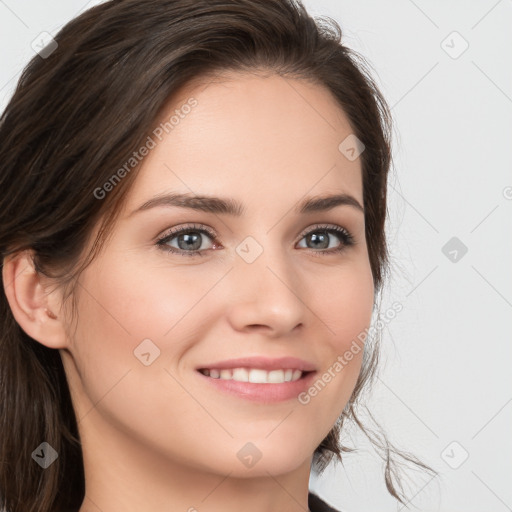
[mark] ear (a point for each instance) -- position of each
(35, 308)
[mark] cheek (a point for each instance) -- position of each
(123, 320)
(345, 309)
(131, 303)
(118, 310)
(347, 305)
(129, 316)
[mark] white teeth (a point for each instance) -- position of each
(258, 376)
(275, 376)
(255, 375)
(225, 374)
(241, 374)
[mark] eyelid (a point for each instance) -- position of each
(321, 227)
(201, 228)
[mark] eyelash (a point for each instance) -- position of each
(345, 237)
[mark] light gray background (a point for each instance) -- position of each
(445, 376)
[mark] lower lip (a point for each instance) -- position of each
(265, 393)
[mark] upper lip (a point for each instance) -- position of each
(264, 363)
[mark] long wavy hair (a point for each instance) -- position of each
(79, 111)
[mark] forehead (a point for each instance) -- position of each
(253, 137)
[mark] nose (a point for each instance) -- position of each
(266, 296)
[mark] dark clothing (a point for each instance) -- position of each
(315, 504)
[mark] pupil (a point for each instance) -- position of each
(316, 237)
(189, 242)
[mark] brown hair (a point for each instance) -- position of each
(76, 116)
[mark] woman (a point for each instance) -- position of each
(245, 137)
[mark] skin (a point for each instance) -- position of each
(158, 437)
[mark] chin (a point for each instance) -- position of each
(261, 457)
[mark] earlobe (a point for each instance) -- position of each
(33, 307)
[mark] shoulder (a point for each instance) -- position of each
(315, 504)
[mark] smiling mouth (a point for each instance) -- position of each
(255, 375)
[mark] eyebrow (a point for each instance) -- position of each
(232, 207)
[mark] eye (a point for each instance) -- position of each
(189, 240)
(320, 238)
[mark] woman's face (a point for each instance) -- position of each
(267, 283)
